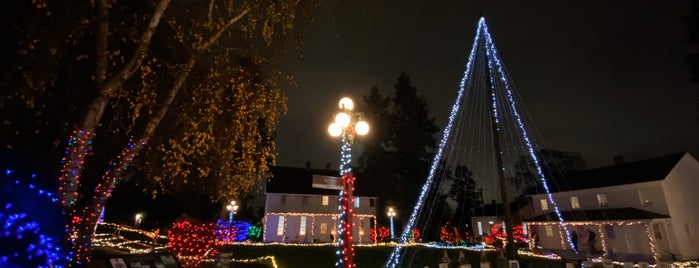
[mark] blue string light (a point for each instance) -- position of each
(345, 168)
(22, 241)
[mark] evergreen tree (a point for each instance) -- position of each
(413, 140)
(464, 194)
(396, 157)
(376, 164)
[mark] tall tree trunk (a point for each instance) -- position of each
(83, 223)
(112, 177)
(79, 142)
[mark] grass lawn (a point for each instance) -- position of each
(370, 257)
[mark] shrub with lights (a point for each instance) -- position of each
(192, 242)
(31, 224)
(255, 233)
(415, 236)
(236, 231)
(450, 235)
(384, 234)
(498, 234)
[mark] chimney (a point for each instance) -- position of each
(618, 159)
(327, 165)
(308, 164)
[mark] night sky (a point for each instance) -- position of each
(599, 77)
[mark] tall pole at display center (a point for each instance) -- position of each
(509, 227)
(347, 124)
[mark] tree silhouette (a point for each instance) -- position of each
(396, 157)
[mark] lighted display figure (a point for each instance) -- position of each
(232, 208)
(347, 124)
(391, 213)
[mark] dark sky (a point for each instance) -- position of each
(598, 77)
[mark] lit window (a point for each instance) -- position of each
(602, 200)
(480, 228)
(283, 200)
(574, 203)
(323, 228)
(302, 230)
(280, 226)
(525, 229)
(325, 200)
(644, 196)
(356, 202)
(544, 205)
(549, 230)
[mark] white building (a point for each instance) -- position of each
(645, 210)
(302, 207)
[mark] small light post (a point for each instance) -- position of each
(391, 213)
(232, 208)
(137, 219)
(347, 124)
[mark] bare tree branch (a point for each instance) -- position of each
(102, 34)
(220, 31)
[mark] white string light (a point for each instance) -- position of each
(394, 258)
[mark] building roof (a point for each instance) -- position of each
(653, 169)
(292, 180)
(610, 214)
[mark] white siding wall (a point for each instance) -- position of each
(621, 196)
(680, 187)
(313, 205)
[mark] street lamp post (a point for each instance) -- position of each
(391, 213)
(232, 208)
(347, 124)
(137, 219)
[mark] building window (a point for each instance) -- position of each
(644, 196)
(544, 205)
(302, 229)
(323, 228)
(356, 202)
(280, 226)
(283, 200)
(525, 229)
(602, 200)
(325, 200)
(480, 228)
(574, 203)
(372, 202)
(549, 230)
